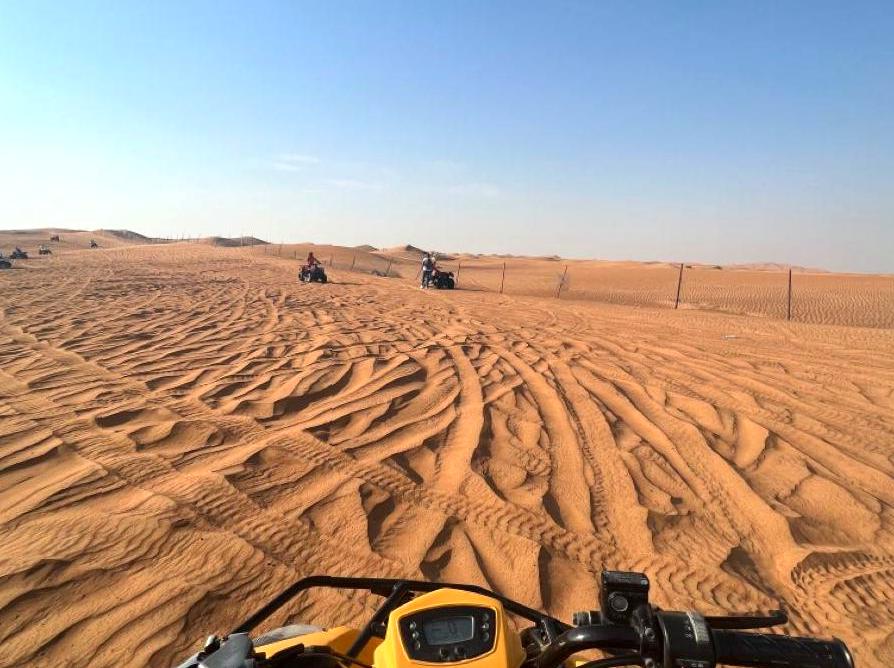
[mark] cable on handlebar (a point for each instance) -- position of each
(610, 662)
(587, 637)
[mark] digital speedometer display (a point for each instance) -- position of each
(449, 630)
(449, 633)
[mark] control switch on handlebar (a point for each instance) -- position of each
(686, 640)
(621, 593)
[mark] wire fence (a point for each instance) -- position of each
(821, 298)
(333, 257)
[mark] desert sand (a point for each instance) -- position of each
(185, 430)
(820, 297)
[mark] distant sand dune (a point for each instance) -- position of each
(228, 242)
(185, 430)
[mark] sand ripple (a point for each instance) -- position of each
(184, 430)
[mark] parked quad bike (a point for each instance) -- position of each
(314, 274)
(44, 250)
(4, 263)
(93, 244)
(443, 280)
(18, 254)
(421, 624)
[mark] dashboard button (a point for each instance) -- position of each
(459, 652)
(444, 653)
(417, 645)
(486, 637)
(618, 602)
(412, 626)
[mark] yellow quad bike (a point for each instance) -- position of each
(425, 624)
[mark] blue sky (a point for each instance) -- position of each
(721, 132)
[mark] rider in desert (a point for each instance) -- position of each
(311, 261)
(428, 266)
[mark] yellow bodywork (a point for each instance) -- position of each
(339, 639)
(390, 653)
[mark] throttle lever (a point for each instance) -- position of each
(775, 618)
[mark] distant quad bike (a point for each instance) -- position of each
(443, 280)
(44, 250)
(55, 237)
(93, 244)
(4, 263)
(314, 274)
(18, 254)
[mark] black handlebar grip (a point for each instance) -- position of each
(765, 650)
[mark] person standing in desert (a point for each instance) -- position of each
(428, 265)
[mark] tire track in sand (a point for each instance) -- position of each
(183, 431)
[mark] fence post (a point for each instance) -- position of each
(788, 312)
(458, 267)
(388, 270)
(330, 261)
(502, 278)
(353, 260)
(562, 282)
(679, 285)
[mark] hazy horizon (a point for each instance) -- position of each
(734, 133)
(189, 238)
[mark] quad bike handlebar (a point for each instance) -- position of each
(630, 630)
(736, 648)
(678, 647)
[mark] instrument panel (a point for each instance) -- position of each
(448, 633)
(449, 626)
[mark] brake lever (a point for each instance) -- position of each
(775, 618)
